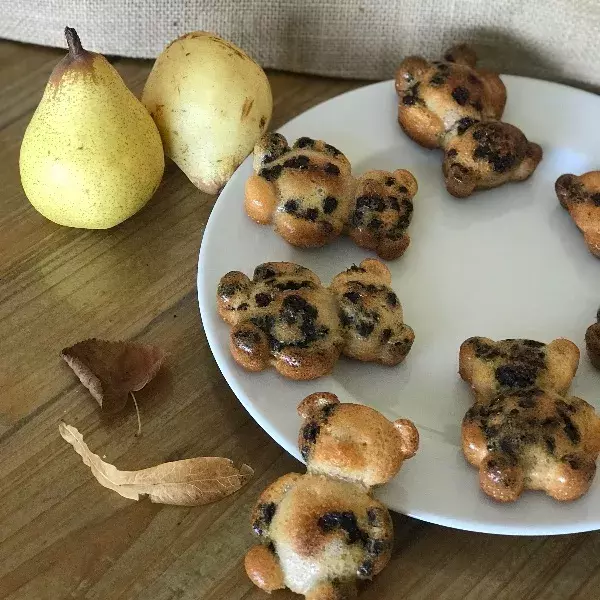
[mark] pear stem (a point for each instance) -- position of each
(73, 42)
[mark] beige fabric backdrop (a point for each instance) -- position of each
(553, 39)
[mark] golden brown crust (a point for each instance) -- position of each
(323, 531)
(260, 200)
(592, 343)
(487, 155)
(304, 190)
(436, 96)
(382, 211)
(371, 315)
(580, 195)
(522, 431)
(493, 367)
(353, 441)
(286, 319)
(262, 567)
(532, 440)
(450, 104)
(308, 193)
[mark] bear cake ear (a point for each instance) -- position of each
(376, 268)
(315, 403)
(409, 436)
(407, 179)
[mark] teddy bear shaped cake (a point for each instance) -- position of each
(309, 194)
(524, 431)
(284, 317)
(580, 196)
(452, 105)
(321, 532)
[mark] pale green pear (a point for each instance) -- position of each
(91, 156)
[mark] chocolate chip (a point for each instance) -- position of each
(509, 445)
(571, 430)
(595, 198)
(329, 205)
(226, 290)
(518, 375)
(375, 223)
(290, 284)
(354, 297)
(246, 339)
(328, 410)
(374, 517)
(331, 169)
(264, 322)
(311, 214)
(533, 344)
(372, 202)
(437, 79)
(261, 273)
(463, 124)
(310, 432)
(386, 334)
(326, 226)
(266, 512)
(332, 150)
(271, 173)
(291, 206)
(527, 402)
(409, 100)
(393, 203)
(304, 142)
(243, 306)
(550, 444)
(262, 299)
(451, 153)
(299, 162)
(365, 329)
(390, 181)
(346, 521)
(391, 299)
(403, 189)
(461, 95)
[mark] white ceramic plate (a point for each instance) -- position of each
(503, 263)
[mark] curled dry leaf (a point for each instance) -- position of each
(111, 370)
(189, 482)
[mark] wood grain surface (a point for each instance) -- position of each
(64, 536)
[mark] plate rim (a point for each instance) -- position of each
(232, 379)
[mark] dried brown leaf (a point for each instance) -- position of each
(189, 482)
(111, 370)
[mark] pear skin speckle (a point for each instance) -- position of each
(91, 156)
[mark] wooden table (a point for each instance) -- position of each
(64, 536)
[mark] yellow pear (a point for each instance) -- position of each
(211, 103)
(91, 156)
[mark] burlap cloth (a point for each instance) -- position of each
(551, 39)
